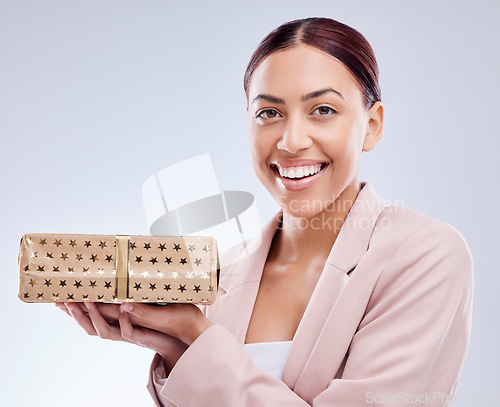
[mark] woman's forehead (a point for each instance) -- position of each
(299, 70)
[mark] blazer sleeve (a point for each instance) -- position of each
(408, 349)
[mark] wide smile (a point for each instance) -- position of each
(301, 177)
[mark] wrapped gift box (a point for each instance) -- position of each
(152, 269)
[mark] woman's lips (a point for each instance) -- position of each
(293, 184)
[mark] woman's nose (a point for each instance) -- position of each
(295, 137)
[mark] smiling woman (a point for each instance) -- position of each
(346, 301)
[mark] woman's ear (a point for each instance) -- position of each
(374, 126)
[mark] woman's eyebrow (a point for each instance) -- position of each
(269, 98)
(318, 93)
(305, 98)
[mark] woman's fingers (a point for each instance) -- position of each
(103, 329)
(62, 307)
(82, 319)
(170, 348)
(183, 321)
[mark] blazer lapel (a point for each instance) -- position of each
(240, 274)
(241, 271)
(324, 328)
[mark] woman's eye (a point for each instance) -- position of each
(268, 114)
(324, 111)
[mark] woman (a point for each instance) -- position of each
(354, 301)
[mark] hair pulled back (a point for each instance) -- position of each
(340, 41)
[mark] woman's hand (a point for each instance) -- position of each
(168, 330)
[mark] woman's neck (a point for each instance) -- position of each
(305, 239)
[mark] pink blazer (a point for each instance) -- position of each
(388, 323)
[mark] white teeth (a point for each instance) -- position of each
(299, 172)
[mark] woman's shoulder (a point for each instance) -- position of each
(411, 239)
(398, 223)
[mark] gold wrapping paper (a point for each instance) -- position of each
(104, 268)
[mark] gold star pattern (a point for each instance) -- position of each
(70, 297)
(40, 295)
(189, 271)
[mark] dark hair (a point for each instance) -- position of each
(336, 39)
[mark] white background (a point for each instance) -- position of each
(97, 95)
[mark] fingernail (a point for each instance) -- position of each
(87, 305)
(126, 306)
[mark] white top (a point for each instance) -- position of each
(269, 356)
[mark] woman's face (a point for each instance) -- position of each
(307, 128)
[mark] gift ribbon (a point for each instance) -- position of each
(121, 267)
